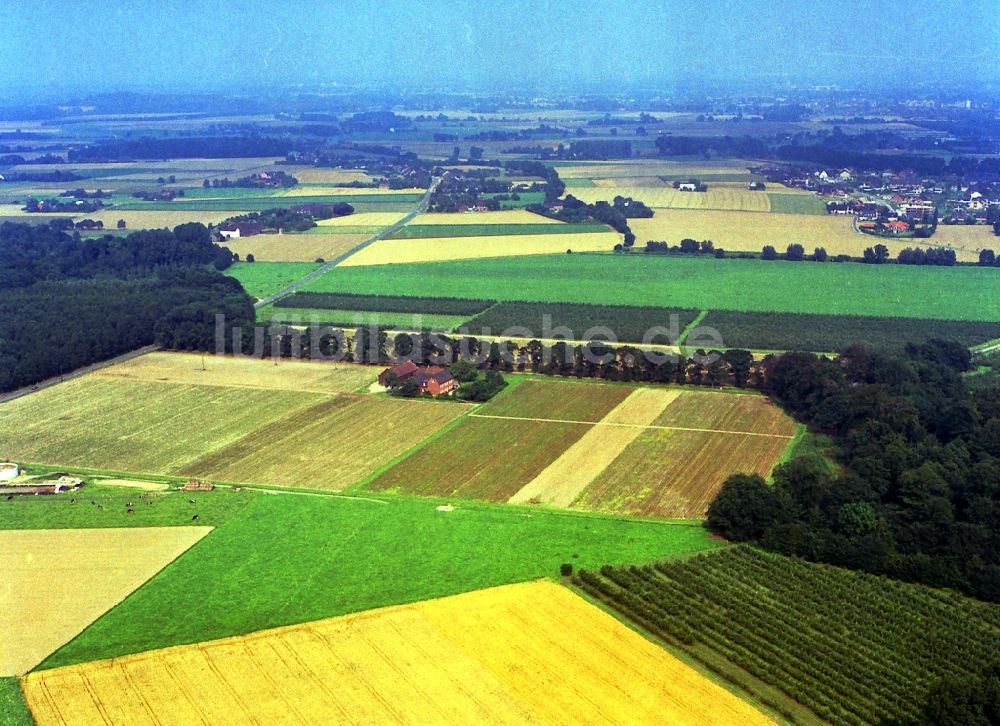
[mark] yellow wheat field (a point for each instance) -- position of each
(750, 231)
(363, 219)
(511, 216)
(438, 249)
(157, 219)
(562, 481)
(670, 198)
(529, 653)
(229, 371)
(57, 581)
(295, 247)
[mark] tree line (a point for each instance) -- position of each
(915, 490)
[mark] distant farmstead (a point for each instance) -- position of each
(434, 380)
(244, 229)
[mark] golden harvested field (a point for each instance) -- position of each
(438, 249)
(258, 430)
(233, 372)
(330, 445)
(58, 581)
(317, 175)
(750, 231)
(363, 219)
(148, 219)
(670, 198)
(529, 653)
(563, 480)
(295, 247)
(511, 216)
(736, 231)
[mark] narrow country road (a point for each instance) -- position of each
(298, 284)
(17, 393)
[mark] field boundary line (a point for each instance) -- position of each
(635, 426)
(285, 292)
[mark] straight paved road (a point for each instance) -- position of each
(420, 209)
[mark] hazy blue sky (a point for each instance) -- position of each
(54, 46)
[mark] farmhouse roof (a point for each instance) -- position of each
(433, 373)
(403, 370)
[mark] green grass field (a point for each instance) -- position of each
(955, 293)
(13, 709)
(526, 198)
(261, 279)
(418, 231)
(282, 559)
(796, 203)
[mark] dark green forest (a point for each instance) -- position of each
(70, 302)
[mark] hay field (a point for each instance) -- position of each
(563, 480)
(129, 420)
(558, 400)
(157, 219)
(295, 247)
(642, 167)
(670, 198)
(529, 653)
(56, 582)
(440, 249)
(137, 426)
(317, 175)
(511, 216)
(677, 470)
(330, 445)
(967, 240)
(232, 372)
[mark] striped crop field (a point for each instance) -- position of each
(658, 452)
(241, 422)
(476, 657)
